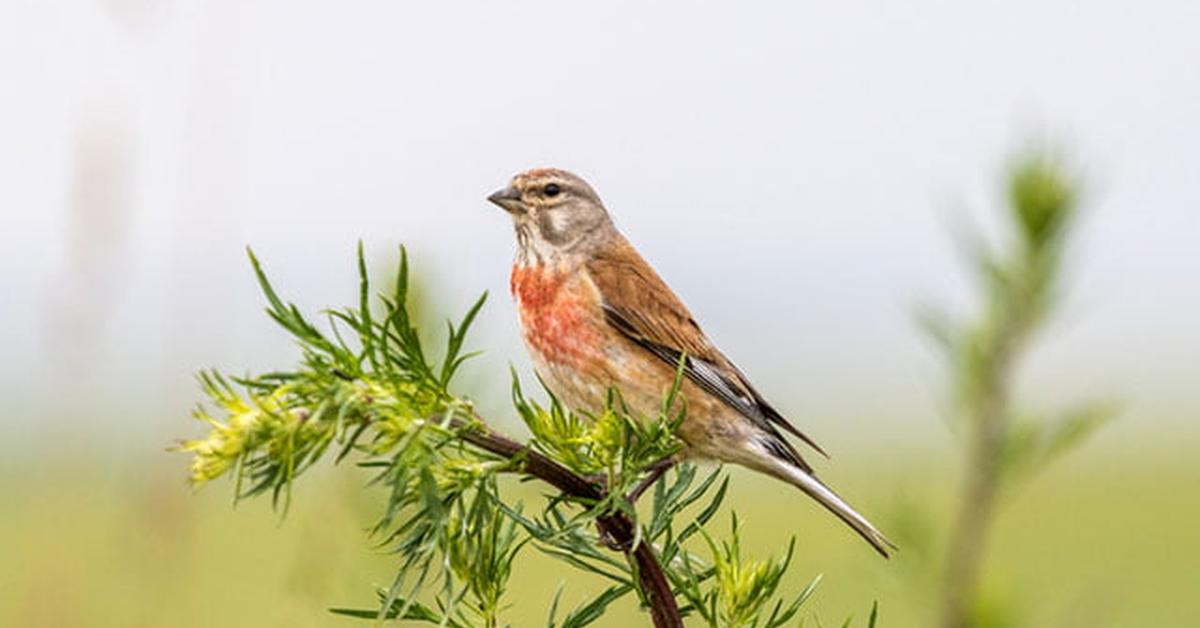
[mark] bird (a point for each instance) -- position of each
(595, 316)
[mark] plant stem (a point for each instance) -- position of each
(990, 423)
(969, 538)
(664, 609)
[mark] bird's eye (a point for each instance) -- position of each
(551, 189)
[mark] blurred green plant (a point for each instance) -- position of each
(368, 387)
(1004, 446)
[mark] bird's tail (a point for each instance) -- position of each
(826, 497)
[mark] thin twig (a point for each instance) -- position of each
(657, 470)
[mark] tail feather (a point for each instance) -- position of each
(826, 497)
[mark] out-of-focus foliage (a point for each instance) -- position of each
(1018, 288)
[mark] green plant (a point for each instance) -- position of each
(367, 387)
(1003, 446)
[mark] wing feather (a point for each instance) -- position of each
(639, 305)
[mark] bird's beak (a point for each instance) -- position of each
(509, 199)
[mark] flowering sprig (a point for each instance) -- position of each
(367, 387)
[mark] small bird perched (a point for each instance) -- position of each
(596, 316)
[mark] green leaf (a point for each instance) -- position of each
(456, 336)
(588, 613)
(1076, 427)
(552, 618)
(1042, 198)
(938, 328)
(413, 610)
(1034, 445)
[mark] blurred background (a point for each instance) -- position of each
(797, 173)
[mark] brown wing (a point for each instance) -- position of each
(639, 305)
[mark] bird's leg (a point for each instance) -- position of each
(656, 472)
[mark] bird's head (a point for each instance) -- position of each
(553, 211)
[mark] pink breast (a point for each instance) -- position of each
(558, 316)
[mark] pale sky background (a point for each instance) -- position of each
(794, 170)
